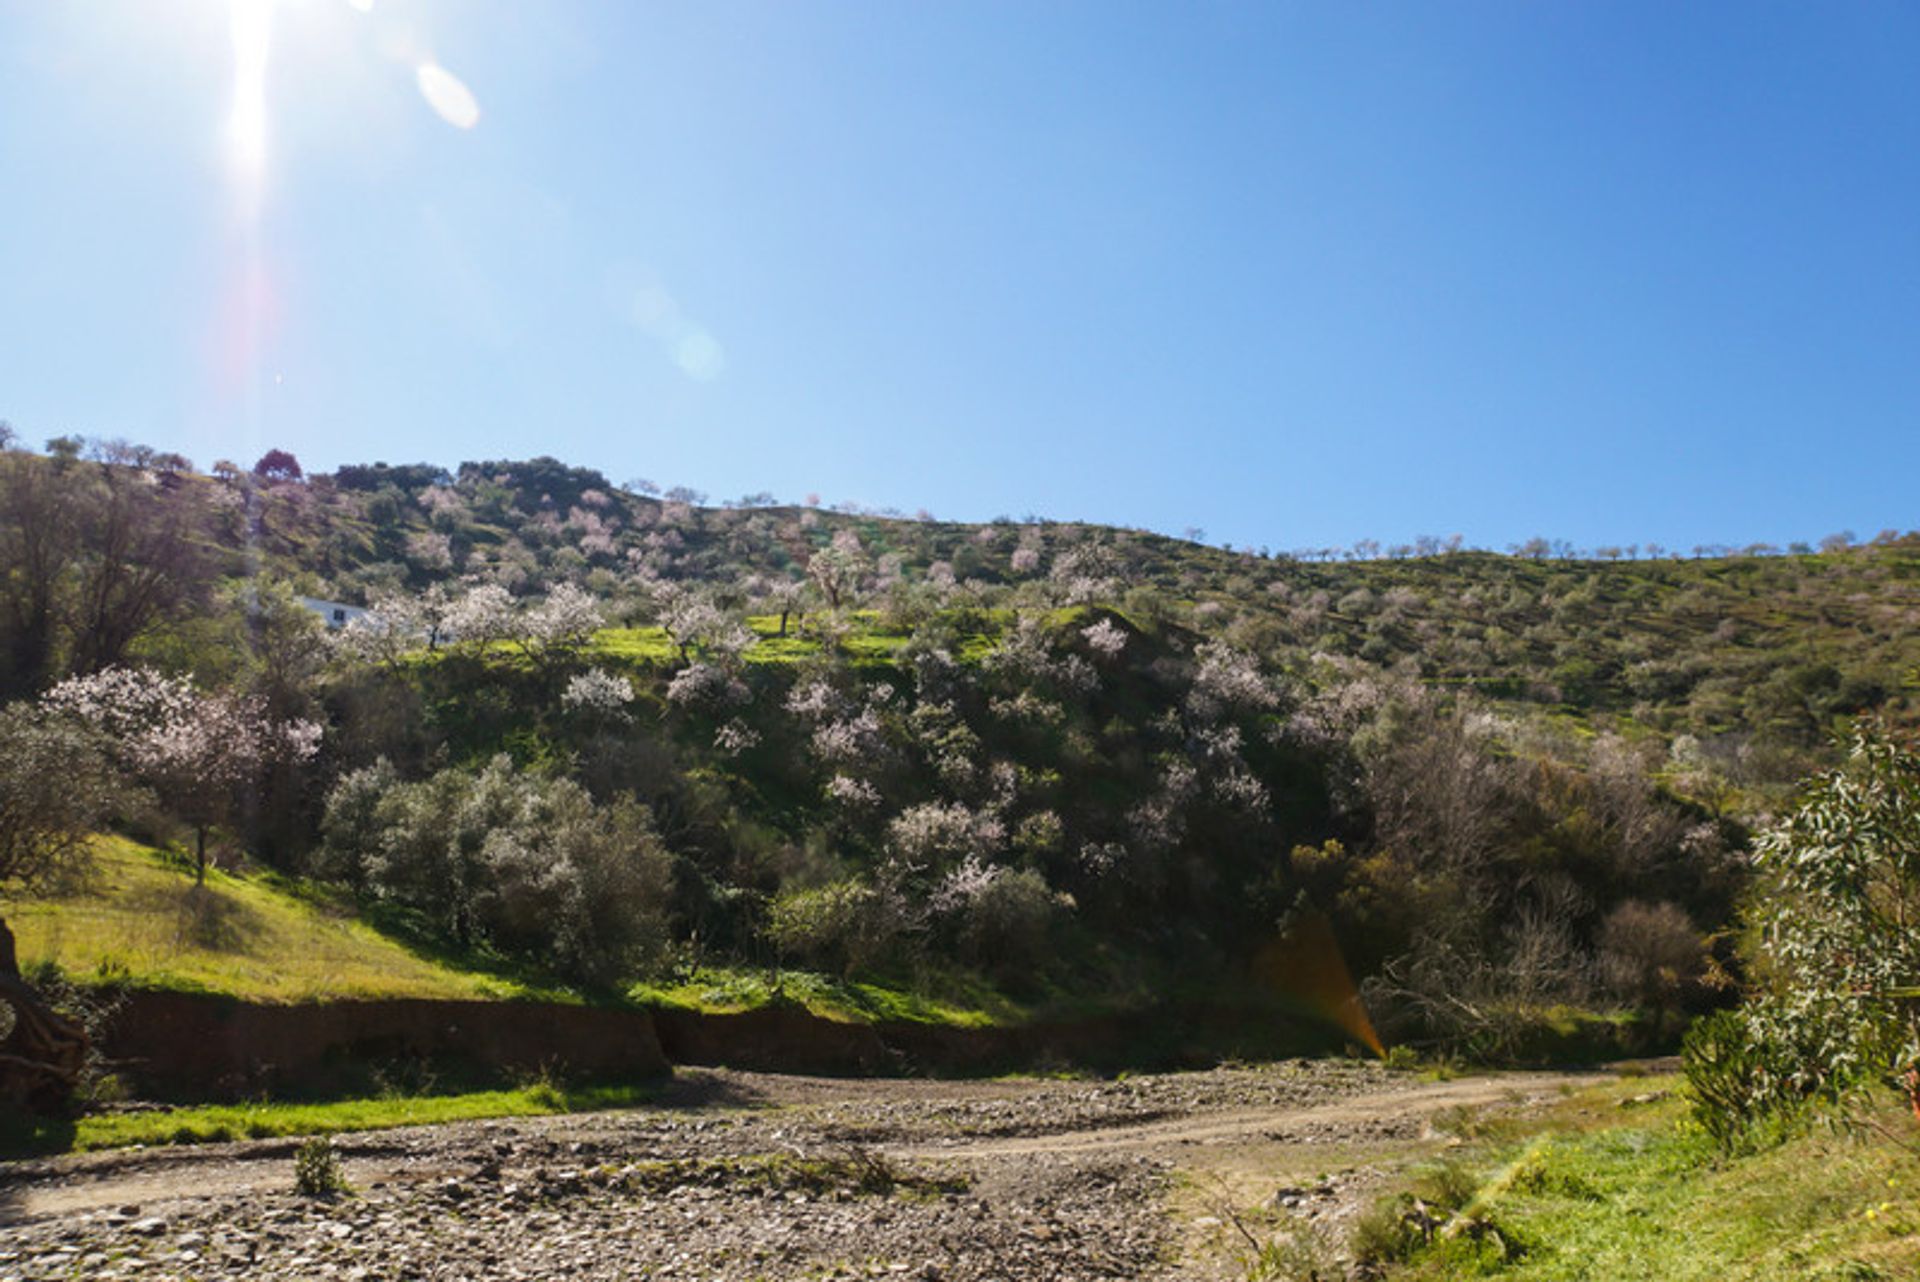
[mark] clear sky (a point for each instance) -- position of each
(1298, 274)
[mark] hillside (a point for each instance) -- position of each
(137, 920)
(619, 737)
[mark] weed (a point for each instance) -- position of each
(1446, 1187)
(1391, 1230)
(1300, 1254)
(316, 1169)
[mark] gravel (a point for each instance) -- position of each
(732, 1177)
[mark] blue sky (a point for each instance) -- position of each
(1297, 274)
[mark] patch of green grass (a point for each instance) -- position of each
(633, 645)
(216, 1123)
(867, 643)
(958, 1003)
(139, 919)
(1636, 1192)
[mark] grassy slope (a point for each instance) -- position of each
(961, 1004)
(140, 920)
(1636, 1193)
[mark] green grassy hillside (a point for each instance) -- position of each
(140, 920)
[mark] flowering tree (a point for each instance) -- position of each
(1105, 638)
(559, 625)
(838, 569)
(482, 616)
(597, 692)
(198, 751)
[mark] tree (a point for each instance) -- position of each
(838, 569)
(40, 527)
(140, 558)
(56, 791)
(92, 554)
(278, 465)
(1836, 1008)
(198, 751)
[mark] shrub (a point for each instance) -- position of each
(1650, 954)
(843, 927)
(526, 863)
(316, 1169)
(1835, 1010)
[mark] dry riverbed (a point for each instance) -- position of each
(739, 1176)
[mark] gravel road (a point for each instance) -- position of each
(733, 1176)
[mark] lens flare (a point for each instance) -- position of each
(451, 100)
(1305, 965)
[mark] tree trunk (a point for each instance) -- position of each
(200, 856)
(43, 1053)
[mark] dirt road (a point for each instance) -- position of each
(739, 1176)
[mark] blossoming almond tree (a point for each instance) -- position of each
(196, 750)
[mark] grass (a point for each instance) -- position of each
(1636, 1192)
(867, 644)
(216, 1123)
(730, 990)
(138, 919)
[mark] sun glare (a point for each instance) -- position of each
(252, 27)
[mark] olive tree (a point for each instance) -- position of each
(56, 791)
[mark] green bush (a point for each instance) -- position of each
(316, 1169)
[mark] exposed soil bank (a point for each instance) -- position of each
(791, 1039)
(209, 1046)
(218, 1047)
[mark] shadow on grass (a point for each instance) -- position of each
(30, 1136)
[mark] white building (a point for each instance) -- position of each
(334, 614)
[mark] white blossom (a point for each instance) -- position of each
(597, 690)
(1105, 638)
(735, 737)
(855, 794)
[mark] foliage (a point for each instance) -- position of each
(317, 1171)
(1065, 755)
(56, 791)
(1836, 907)
(510, 859)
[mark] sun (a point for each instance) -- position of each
(251, 23)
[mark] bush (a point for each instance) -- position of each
(1835, 1011)
(842, 927)
(316, 1169)
(1001, 921)
(1650, 954)
(522, 862)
